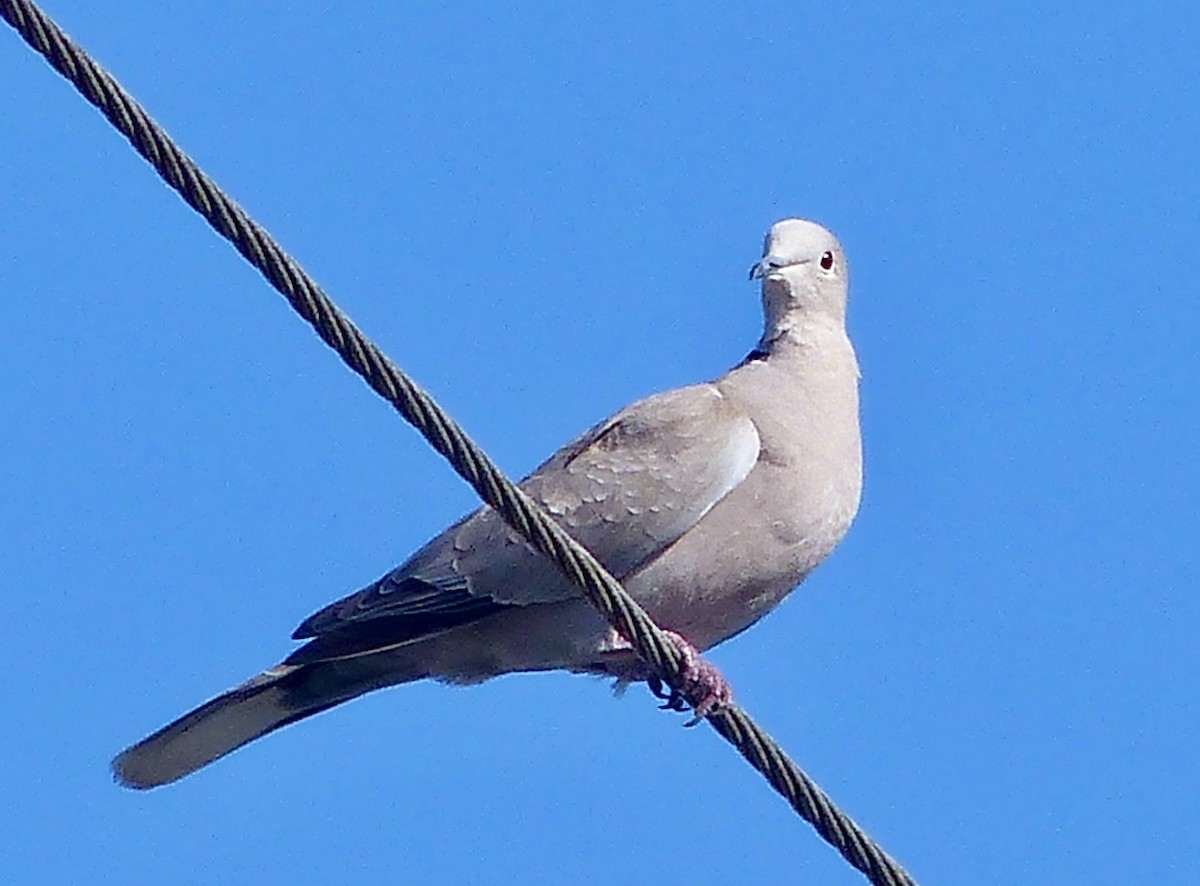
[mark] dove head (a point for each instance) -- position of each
(804, 275)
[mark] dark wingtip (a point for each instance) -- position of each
(321, 620)
(123, 775)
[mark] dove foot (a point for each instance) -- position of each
(703, 681)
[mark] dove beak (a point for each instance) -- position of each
(770, 264)
(762, 268)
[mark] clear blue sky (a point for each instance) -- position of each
(544, 213)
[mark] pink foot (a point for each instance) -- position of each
(704, 688)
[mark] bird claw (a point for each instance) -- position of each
(672, 699)
(702, 681)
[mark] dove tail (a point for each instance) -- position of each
(267, 702)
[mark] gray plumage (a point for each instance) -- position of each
(709, 503)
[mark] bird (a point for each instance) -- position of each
(709, 503)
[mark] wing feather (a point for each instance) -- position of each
(627, 489)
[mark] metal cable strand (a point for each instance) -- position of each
(419, 409)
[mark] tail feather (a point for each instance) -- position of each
(270, 701)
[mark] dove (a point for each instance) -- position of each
(709, 503)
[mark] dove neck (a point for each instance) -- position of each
(800, 313)
(800, 337)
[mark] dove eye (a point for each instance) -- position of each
(827, 261)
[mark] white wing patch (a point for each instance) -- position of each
(739, 457)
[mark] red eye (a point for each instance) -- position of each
(827, 261)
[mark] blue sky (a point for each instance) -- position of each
(542, 214)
